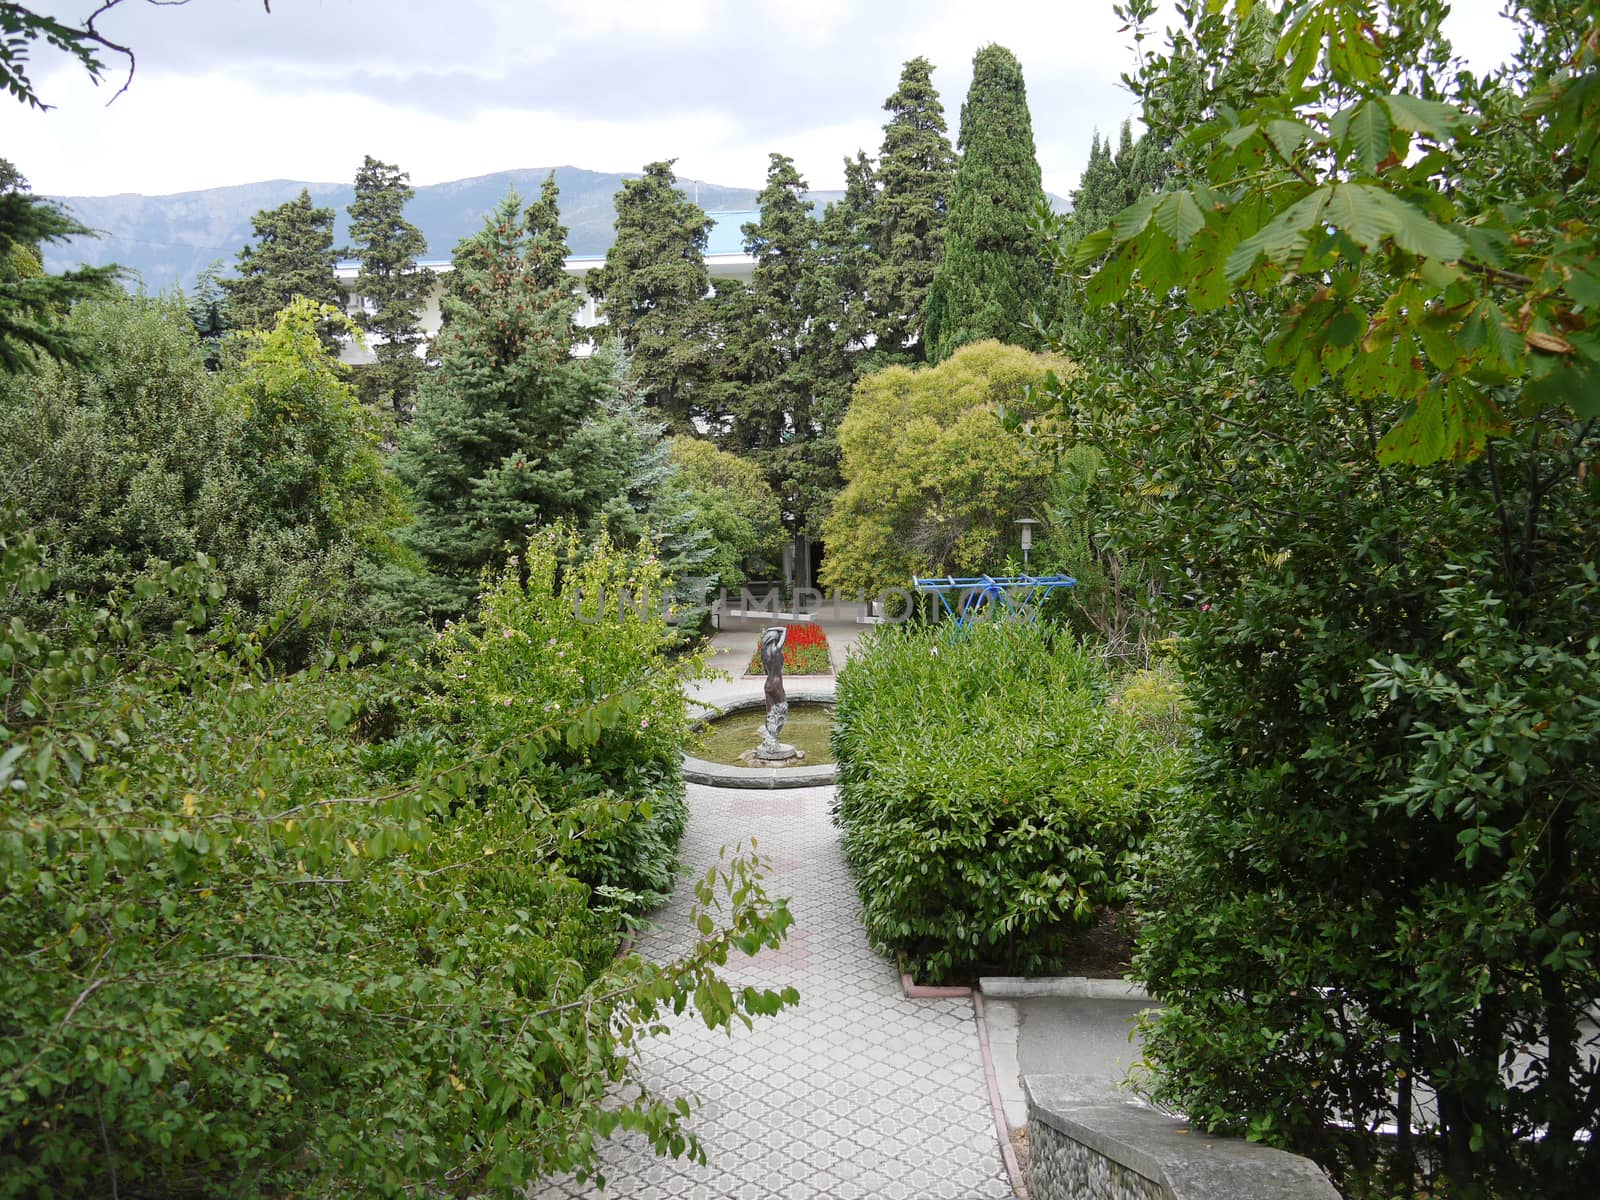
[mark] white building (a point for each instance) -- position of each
(725, 259)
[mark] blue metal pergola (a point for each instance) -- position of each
(971, 598)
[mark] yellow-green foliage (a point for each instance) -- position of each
(1153, 699)
(735, 506)
(934, 478)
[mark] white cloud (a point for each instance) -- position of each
(227, 94)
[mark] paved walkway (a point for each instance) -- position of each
(855, 1093)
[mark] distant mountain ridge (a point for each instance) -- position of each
(167, 240)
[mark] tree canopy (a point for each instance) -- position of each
(916, 169)
(31, 302)
(992, 277)
(390, 282)
(1337, 372)
(293, 255)
(933, 475)
(651, 286)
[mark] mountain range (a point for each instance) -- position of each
(167, 240)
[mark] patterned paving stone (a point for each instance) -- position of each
(855, 1094)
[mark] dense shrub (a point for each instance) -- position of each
(234, 963)
(576, 631)
(269, 468)
(990, 797)
(1374, 904)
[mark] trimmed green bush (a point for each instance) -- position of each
(991, 799)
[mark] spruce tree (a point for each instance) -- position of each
(293, 256)
(394, 287)
(993, 275)
(651, 287)
(916, 170)
(547, 247)
(494, 447)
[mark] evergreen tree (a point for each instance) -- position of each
(845, 257)
(1109, 184)
(394, 287)
(293, 256)
(547, 247)
(640, 495)
(781, 364)
(993, 274)
(766, 412)
(493, 448)
(916, 170)
(651, 287)
(31, 302)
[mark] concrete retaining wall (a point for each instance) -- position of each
(1088, 1142)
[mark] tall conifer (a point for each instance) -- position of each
(916, 170)
(293, 255)
(993, 275)
(784, 375)
(495, 446)
(388, 246)
(651, 287)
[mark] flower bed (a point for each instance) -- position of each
(805, 652)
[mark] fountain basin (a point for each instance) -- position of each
(805, 772)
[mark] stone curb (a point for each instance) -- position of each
(1165, 1150)
(698, 770)
(1008, 987)
(1008, 1152)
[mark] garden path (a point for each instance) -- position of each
(857, 1092)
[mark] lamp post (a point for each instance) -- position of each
(1026, 524)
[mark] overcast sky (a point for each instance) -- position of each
(226, 93)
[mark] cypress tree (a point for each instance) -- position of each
(651, 287)
(993, 274)
(293, 256)
(916, 170)
(1111, 183)
(388, 246)
(845, 257)
(494, 447)
(767, 413)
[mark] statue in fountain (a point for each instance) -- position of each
(771, 749)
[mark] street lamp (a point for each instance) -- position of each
(1026, 524)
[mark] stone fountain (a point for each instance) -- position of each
(771, 750)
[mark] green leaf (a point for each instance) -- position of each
(1179, 217)
(1583, 285)
(1452, 422)
(1287, 136)
(1131, 221)
(1368, 135)
(1110, 283)
(1281, 237)
(1091, 248)
(1433, 117)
